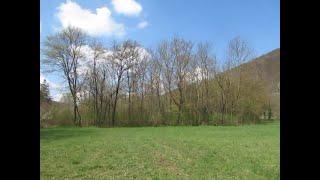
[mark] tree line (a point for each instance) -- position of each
(177, 83)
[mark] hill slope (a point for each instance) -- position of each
(269, 67)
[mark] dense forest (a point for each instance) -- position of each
(177, 83)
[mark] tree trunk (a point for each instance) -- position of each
(74, 114)
(129, 98)
(114, 109)
(141, 106)
(79, 117)
(115, 102)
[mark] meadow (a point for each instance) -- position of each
(176, 152)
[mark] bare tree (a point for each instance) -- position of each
(207, 68)
(97, 81)
(181, 51)
(142, 72)
(156, 79)
(176, 57)
(62, 52)
(123, 58)
(238, 53)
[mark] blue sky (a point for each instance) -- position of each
(215, 21)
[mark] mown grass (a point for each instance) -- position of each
(203, 152)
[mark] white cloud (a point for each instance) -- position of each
(196, 75)
(57, 97)
(88, 53)
(142, 24)
(144, 55)
(127, 7)
(96, 24)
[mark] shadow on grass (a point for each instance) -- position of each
(52, 134)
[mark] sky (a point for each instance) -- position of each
(151, 21)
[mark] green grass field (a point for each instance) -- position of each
(203, 152)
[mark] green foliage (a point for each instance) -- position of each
(61, 114)
(269, 113)
(202, 152)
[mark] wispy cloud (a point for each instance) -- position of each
(127, 7)
(142, 24)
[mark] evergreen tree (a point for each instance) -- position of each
(44, 92)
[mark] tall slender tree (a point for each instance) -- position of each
(63, 52)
